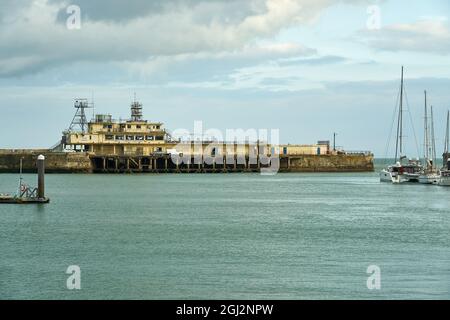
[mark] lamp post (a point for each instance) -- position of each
(334, 141)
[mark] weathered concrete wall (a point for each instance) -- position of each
(63, 162)
(330, 163)
(56, 162)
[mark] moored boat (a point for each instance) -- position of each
(402, 170)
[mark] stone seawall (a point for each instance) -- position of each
(56, 162)
(63, 162)
(330, 163)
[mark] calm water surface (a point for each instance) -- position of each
(234, 236)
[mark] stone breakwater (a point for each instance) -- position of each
(56, 162)
(64, 162)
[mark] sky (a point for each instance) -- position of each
(306, 67)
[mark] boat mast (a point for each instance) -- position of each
(399, 143)
(447, 139)
(433, 140)
(426, 143)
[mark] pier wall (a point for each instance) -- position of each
(63, 162)
(56, 162)
(329, 163)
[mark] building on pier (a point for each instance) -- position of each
(105, 136)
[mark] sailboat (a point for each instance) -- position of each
(444, 174)
(429, 174)
(402, 171)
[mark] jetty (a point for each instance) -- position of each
(135, 145)
(26, 194)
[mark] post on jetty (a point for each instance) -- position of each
(26, 194)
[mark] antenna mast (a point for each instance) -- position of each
(79, 120)
(136, 110)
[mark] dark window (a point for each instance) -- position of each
(159, 138)
(149, 137)
(109, 137)
(139, 138)
(129, 126)
(130, 137)
(138, 126)
(119, 137)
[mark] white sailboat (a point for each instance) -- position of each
(402, 171)
(429, 174)
(444, 174)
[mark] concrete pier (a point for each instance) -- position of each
(78, 162)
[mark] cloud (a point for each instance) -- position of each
(35, 38)
(426, 35)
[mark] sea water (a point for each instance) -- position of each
(226, 236)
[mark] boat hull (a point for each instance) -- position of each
(429, 179)
(387, 176)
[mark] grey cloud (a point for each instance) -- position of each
(122, 11)
(130, 31)
(313, 61)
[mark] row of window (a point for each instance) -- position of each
(129, 126)
(133, 138)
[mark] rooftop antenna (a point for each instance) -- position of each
(79, 120)
(93, 106)
(136, 110)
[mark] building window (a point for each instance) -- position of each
(129, 126)
(130, 137)
(109, 137)
(119, 137)
(138, 126)
(139, 138)
(149, 137)
(159, 138)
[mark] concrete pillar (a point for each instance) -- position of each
(41, 175)
(104, 163)
(116, 164)
(165, 164)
